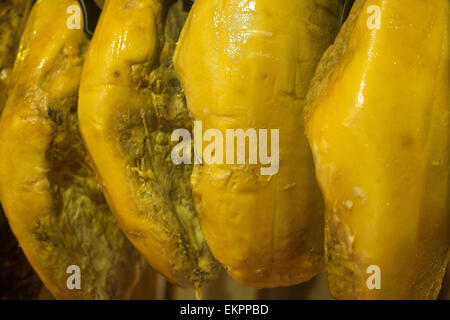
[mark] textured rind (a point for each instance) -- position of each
(129, 108)
(248, 64)
(13, 14)
(49, 190)
(377, 121)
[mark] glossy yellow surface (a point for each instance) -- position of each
(48, 187)
(248, 64)
(130, 102)
(378, 125)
